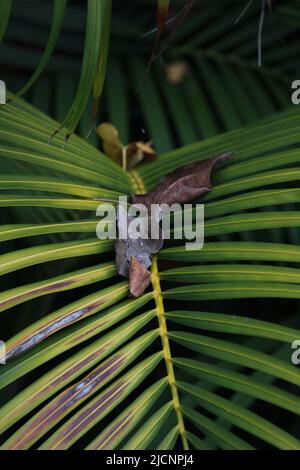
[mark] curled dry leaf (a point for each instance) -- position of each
(111, 143)
(133, 256)
(134, 152)
(139, 278)
(183, 184)
(140, 248)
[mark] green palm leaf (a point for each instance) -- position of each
(53, 334)
(86, 366)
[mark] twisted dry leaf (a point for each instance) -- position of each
(139, 278)
(183, 184)
(135, 152)
(133, 256)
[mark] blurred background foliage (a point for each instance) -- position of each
(216, 86)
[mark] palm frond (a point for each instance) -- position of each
(108, 370)
(201, 360)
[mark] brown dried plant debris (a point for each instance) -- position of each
(133, 256)
(127, 156)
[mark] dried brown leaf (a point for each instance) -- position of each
(133, 256)
(134, 152)
(139, 278)
(111, 143)
(183, 184)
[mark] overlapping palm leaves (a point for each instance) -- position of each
(112, 358)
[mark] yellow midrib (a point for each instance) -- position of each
(139, 187)
(167, 351)
(137, 182)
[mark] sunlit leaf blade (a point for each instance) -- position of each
(238, 272)
(242, 355)
(225, 439)
(234, 324)
(238, 290)
(254, 181)
(13, 232)
(40, 254)
(196, 442)
(33, 146)
(169, 441)
(42, 160)
(252, 200)
(119, 429)
(70, 369)
(73, 280)
(64, 317)
(240, 383)
(243, 418)
(246, 400)
(245, 222)
(251, 166)
(72, 397)
(69, 338)
(238, 398)
(258, 138)
(55, 185)
(235, 251)
(143, 437)
(50, 202)
(101, 405)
